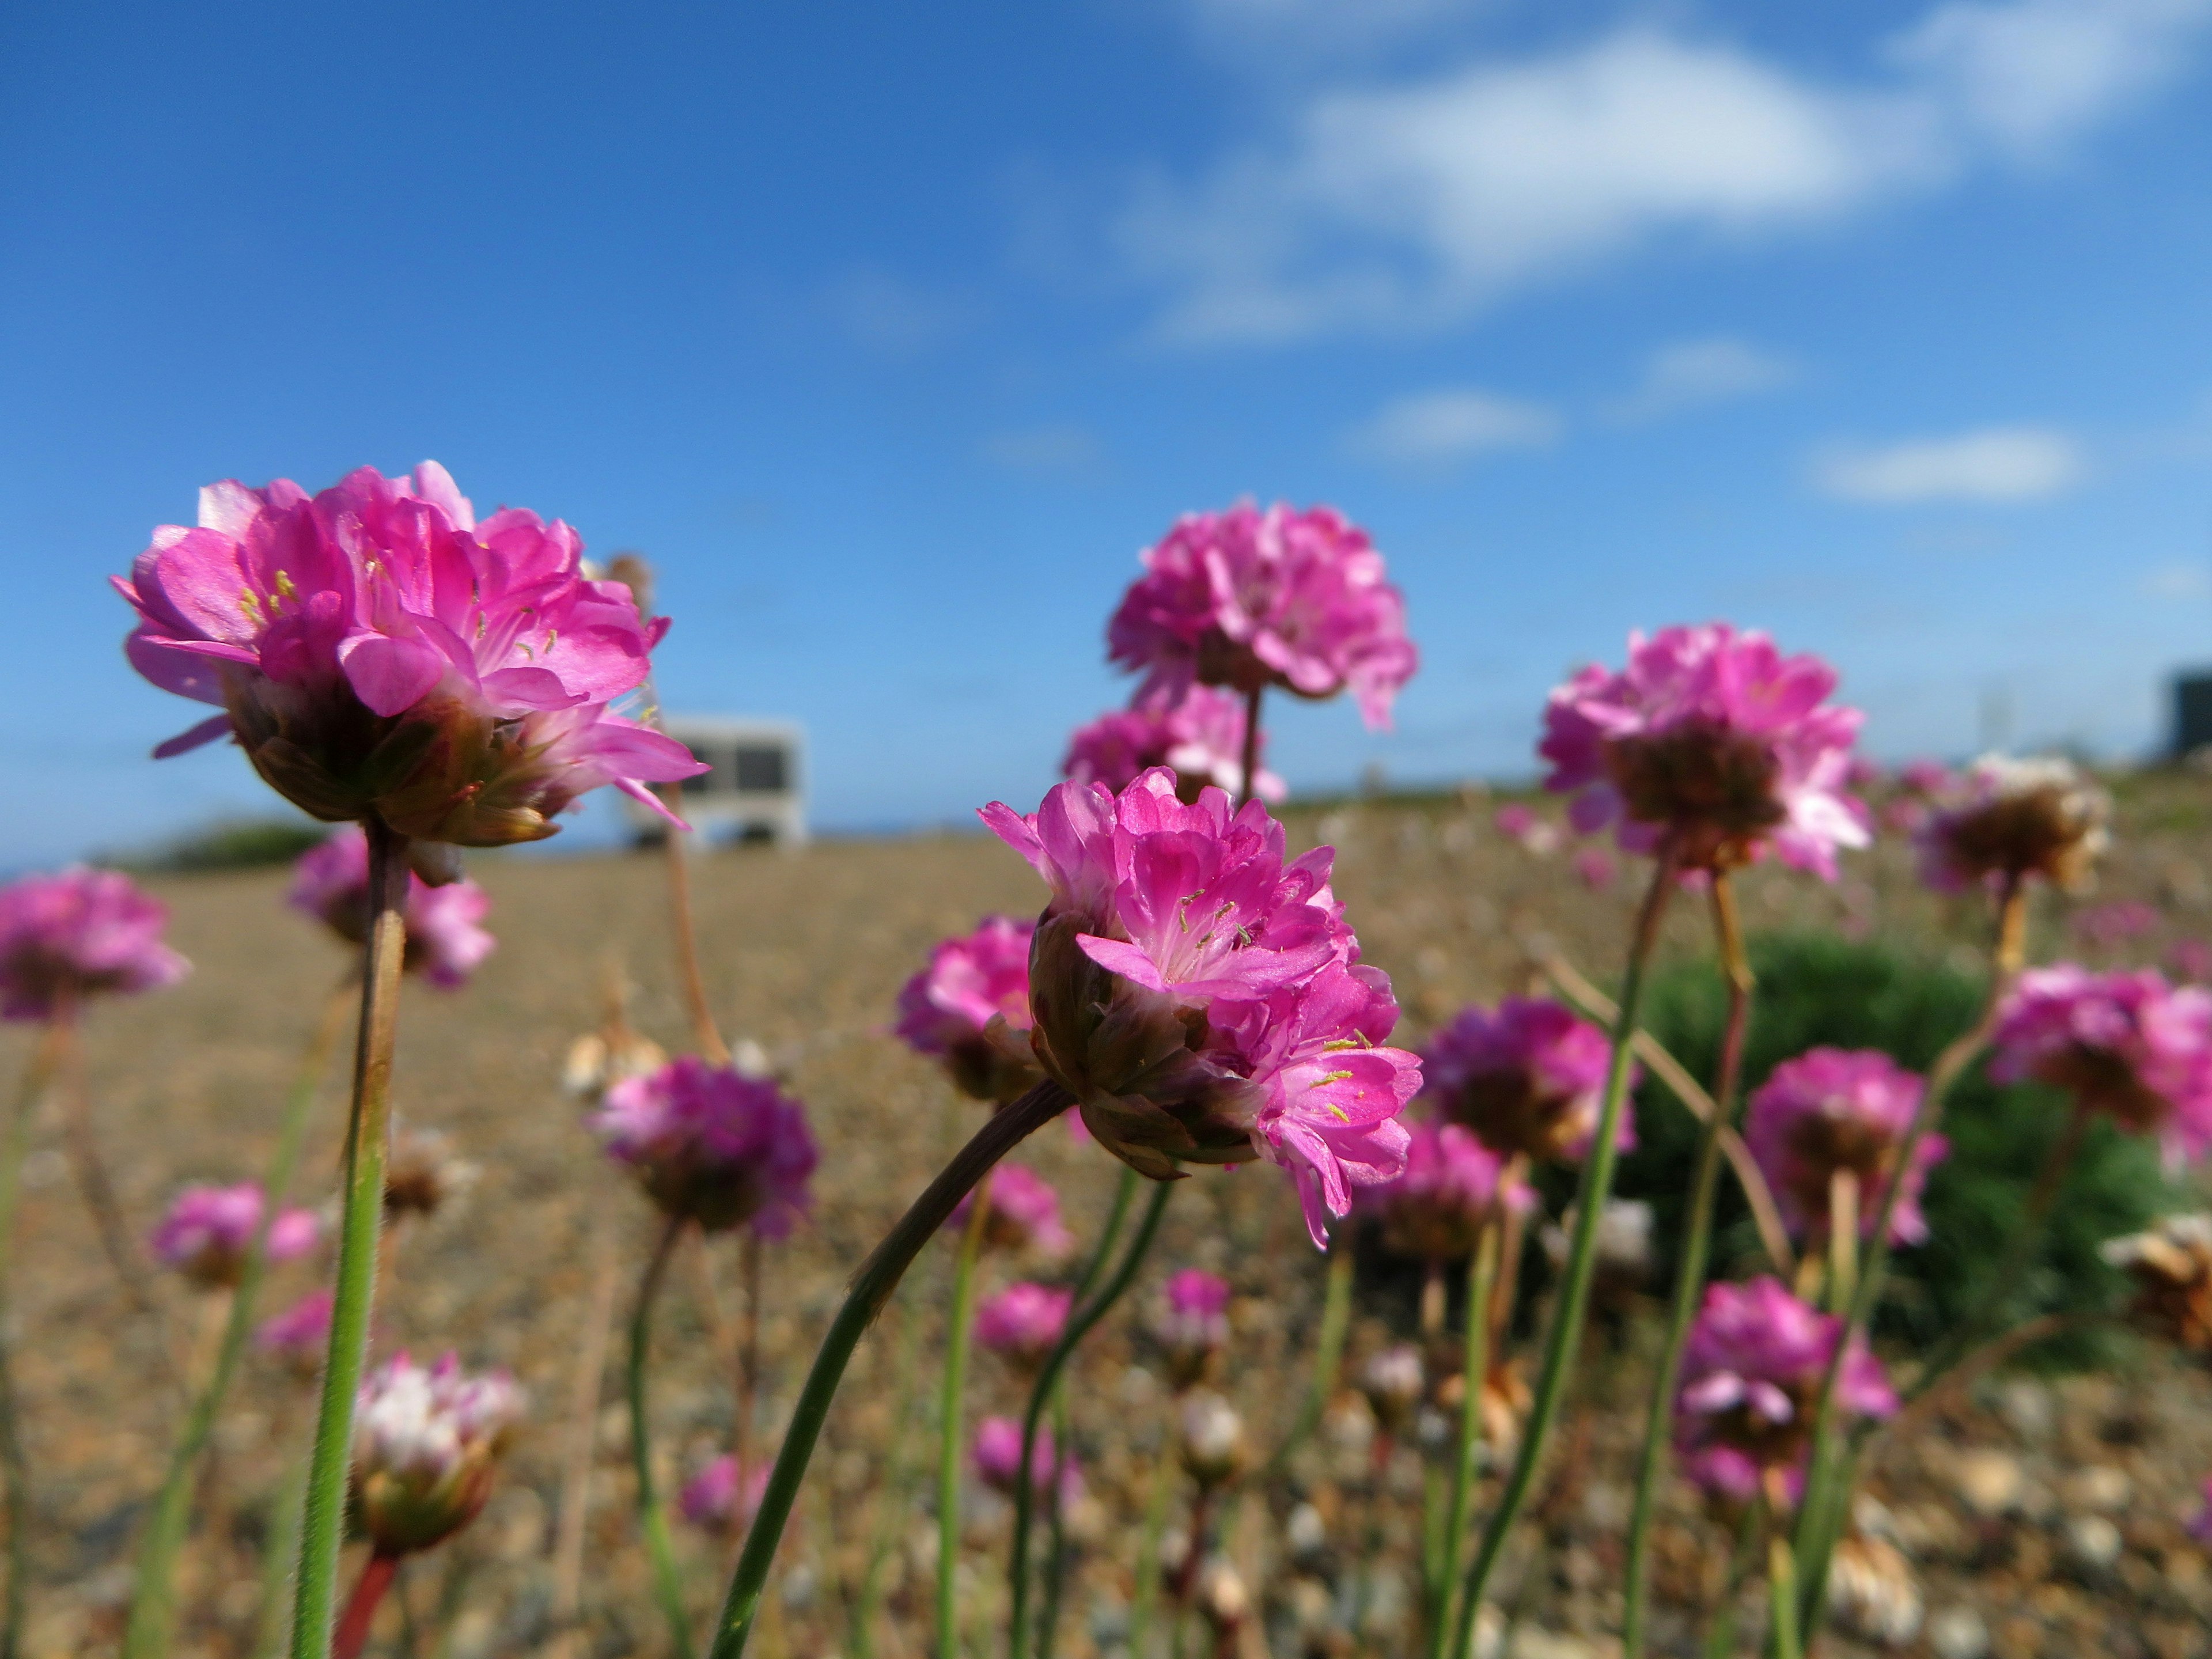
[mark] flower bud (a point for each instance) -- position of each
(1211, 1438)
(1192, 1325)
(1023, 1323)
(969, 1009)
(722, 1498)
(1394, 1383)
(425, 1446)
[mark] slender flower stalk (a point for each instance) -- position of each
(377, 1577)
(1328, 1353)
(871, 1286)
(1055, 1569)
(1482, 1280)
(651, 1514)
(860, 1642)
(1573, 1301)
(1690, 1274)
(152, 1609)
(89, 1167)
(1249, 764)
(1720, 1634)
(583, 1431)
(950, 1438)
(383, 953)
(38, 1077)
(284, 1520)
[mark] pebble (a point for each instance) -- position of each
(1958, 1633)
(2027, 1406)
(2100, 1489)
(1989, 1481)
(2093, 1540)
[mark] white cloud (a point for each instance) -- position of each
(1690, 374)
(1997, 463)
(1409, 205)
(1045, 449)
(1443, 428)
(2183, 580)
(888, 314)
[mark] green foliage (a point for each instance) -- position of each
(1817, 989)
(239, 844)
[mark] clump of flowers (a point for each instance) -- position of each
(377, 650)
(1192, 1323)
(1452, 1187)
(422, 1174)
(209, 1231)
(1528, 1078)
(301, 1332)
(2171, 1267)
(2008, 820)
(1713, 739)
(2124, 1044)
(445, 939)
(80, 933)
(1022, 1322)
(1201, 740)
(1752, 1370)
(997, 1457)
(721, 1498)
(713, 1147)
(1834, 1110)
(1023, 1214)
(1200, 995)
(1248, 599)
(969, 1008)
(426, 1444)
(1520, 823)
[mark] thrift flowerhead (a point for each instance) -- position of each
(2171, 1267)
(1201, 740)
(1246, 598)
(1710, 736)
(712, 1146)
(2126, 1044)
(1451, 1188)
(1192, 1323)
(208, 1230)
(425, 1445)
(1199, 994)
(376, 650)
(2010, 820)
(66, 937)
(421, 1174)
(969, 1007)
(1023, 1214)
(301, 1334)
(1832, 1110)
(997, 1458)
(722, 1498)
(1752, 1369)
(1022, 1322)
(445, 941)
(1527, 1080)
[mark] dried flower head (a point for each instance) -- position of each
(425, 1446)
(1210, 1437)
(1221, 1598)
(970, 1009)
(1834, 1110)
(421, 1172)
(1197, 993)
(1527, 1080)
(1246, 598)
(445, 941)
(1453, 1185)
(1713, 739)
(377, 651)
(722, 1498)
(713, 1147)
(1192, 1323)
(208, 1231)
(2124, 1044)
(2006, 819)
(1201, 740)
(595, 1062)
(2171, 1267)
(80, 933)
(1023, 1214)
(1022, 1322)
(1393, 1381)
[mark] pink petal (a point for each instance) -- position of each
(206, 732)
(391, 675)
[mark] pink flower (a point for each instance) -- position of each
(1594, 868)
(444, 942)
(722, 1498)
(301, 1332)
(1519, 822)
(1529, 1079)
(1833, 1109)
(1752, 1370)
(425, 1445)
(1192, 1324)
(1022, 1322)
(2190, 960)
(2007, 819)
(1200, 739)
(66, 937)
(209, 1230)
(2126, 1044)
(723, 1149)
(1245, 598)
(997, 1457)
(2106, 926)
(966, 1006)
(1024, 1214)
(1714, 737)
(1451, 1187)
(377, 650)
(1197, 994)
(1925, 778)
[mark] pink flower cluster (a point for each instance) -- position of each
(79, 934)
(1713, 738)
(208, 1231)
(1200, 995)
(2012, 819)
(424, 1447)
(1201, 740)
(1451, 1186)
(965, 1007)
(2126, 1044)
(1192, 1324)
(1247, 599)
(998, 1460)
(723, 1497)
(445, 941)
(713, 1145)
(1835, 1110)
(1528, 1078)
(1752, 1370)
(1022, 1322)
(376, 649)
(1023, 1214)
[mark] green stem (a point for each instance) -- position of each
(1146, 1601)
(38, 1077)
(367, 1130)
(907, 1365)
(1481, 1278)
(1690, 1271)
(1783, 1593)
(1572, 1307)
(1328, 1353)
(949, 1423)
(651, 1514)
(283, 1542)
(153, 1606)
(1055, 1571)
(879, 1276)
(1720, 1637)
(1078, 1325)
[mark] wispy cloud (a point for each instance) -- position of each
(1446, 428)
(2184, 578)
(888, 314)
(1047, 449)
(1406, 206)
(1995, 464)
(1691, 374)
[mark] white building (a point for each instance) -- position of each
(757, 790)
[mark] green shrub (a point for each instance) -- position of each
(240, 844)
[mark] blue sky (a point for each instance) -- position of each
(892, 332)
